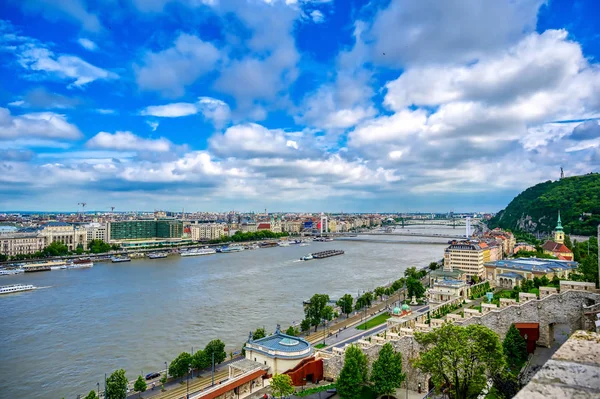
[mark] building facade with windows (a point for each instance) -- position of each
(144, 229)
(467, 256)
(509, 272)
(25, 243)
(207, 231)
(65, 233)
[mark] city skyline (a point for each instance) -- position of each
(294, 105)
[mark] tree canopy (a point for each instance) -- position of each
(460, 358)
(56, 249)
(91, 395)
(281, 385)
(536, 209)
(386, 373)
(140, 385)
(259, 333)
(345, 304)
(414, 287)
(315, 311)
(180, 365)
(116, 385)
(217, 347)
(515, 348)
(353, 375)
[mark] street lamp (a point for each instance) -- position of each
(98, 385)
(187, 395)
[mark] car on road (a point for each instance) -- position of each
(151, 376)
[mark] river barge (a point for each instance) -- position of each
(327, 254)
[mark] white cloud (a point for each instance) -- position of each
(251, 140)
(40, 125)
(127, 141)
(153, 125)
(171, 70)
(106, 111)
(87, 44)
(67, 67)
(214, 110)
(317, 16)
(42, 98)
(174, 110)
(428, 31)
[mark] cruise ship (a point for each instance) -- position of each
(198, 252)
(10, 272)
(11, 289)
(157, 255)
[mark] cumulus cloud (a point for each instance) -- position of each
(127, 141)
(171, 70)
(71, 10)
(409, 32)
(317, 16)
(252, 140)
(40, 125)
(174, 110)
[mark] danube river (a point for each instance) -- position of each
(60, 340)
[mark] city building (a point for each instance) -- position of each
(65, 233)
(97, 231)
(467, 256)
(144, 229)
(523, 246)
(447, 289)
(26, 242)
(280, 352)
(509, 272)
(207, 231)
(557, 246)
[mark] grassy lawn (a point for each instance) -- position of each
(319, 346)
(310, 391)
(375, 321)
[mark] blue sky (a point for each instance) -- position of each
(294, 105)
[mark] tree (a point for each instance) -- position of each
(379, 291)
(415, 287)
(180, 365)
(292, 331)
(91, 395)
(259, 333)
(568, 242)
(140, 385)
(506, 384)
(460, 358)
(116, 385)
(433, 266)
(386, 374)
(56, 249)
(217, 347)
(200, 360)
(281, 385)
(305, 325)
(3, 258)
(353, 375)
(315, 309)
(345, 304)
(411, 272)
(515, 349)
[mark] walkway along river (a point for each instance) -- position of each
(61, 340)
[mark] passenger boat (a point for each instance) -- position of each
(198, 252)
(11, 289)
(308, 257)
(283, 243)
(157, 255)
(119, 259)
(268, 244)
(83, 263)
(231, 248)
(10, 272)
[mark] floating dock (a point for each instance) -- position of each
(327, 254)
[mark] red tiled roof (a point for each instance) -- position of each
(555, 247)
(264, 226)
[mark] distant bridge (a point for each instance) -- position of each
(407, 234)
(436, 222)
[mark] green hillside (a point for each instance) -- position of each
(536, 209)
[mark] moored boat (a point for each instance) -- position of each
(198, 252)
(119, 259)
(231, 248)
(83, 263)
(157, 255)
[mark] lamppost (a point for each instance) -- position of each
(98, 385)
(187, 395)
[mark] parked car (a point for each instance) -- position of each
(151, 376)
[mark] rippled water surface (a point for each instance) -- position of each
(59, 341)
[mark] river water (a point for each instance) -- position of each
(59, 341)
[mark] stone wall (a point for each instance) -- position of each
(565, 308)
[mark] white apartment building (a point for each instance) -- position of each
(207, 231)
(468, 257)
(292, 226)
(12, 244)
(97, 231)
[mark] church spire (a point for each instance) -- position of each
(559, 224)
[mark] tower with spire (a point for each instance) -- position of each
(559, 234)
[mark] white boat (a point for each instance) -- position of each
(283, 243)
(61, 267)
(10, 272)
(232, 248)
(308, 257)
(119, 259)
(10, 289)
(80, 264)
(157, 255)
(254, 246)
(198, 252)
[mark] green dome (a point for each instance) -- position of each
(396, 310)
(405, 307)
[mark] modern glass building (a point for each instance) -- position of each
(144, 229)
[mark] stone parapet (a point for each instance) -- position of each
(504, 302)
(546, 291)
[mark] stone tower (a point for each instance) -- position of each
(559, 235)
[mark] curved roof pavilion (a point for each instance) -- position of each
(280, 345)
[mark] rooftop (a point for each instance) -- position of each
(280, 342)
(534, 264)
(511, 275)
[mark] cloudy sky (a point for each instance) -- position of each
(294, 105)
